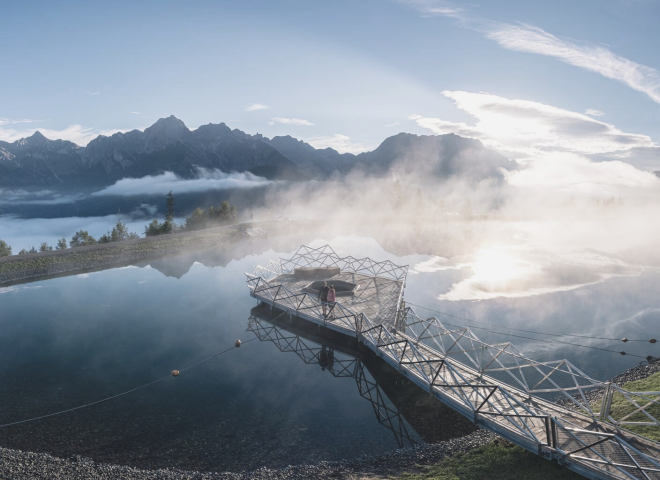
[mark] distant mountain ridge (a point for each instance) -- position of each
(168, 145)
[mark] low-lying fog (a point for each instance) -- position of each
(556, 223)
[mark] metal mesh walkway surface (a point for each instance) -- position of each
(544, 407)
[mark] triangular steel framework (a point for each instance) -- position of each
(544, 407)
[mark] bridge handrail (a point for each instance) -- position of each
(491, 360)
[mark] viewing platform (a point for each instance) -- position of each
(366, 288)
(544, 407)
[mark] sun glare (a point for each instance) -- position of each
(495, 265)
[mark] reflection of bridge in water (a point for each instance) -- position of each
(399, 405)
(540, 406)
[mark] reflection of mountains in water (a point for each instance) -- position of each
(390, 239)
(401, 406)
(442, 240)
(179, 265)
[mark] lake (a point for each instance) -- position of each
(74, 340)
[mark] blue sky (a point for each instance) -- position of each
(527, 78)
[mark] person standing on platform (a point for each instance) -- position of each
(323, 296)
(332, 300)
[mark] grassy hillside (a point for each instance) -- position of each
(500, 460)
(622, 407)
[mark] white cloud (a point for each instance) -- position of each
(524, 128)
(435, 8)
(8, 121)
(341, 143)
(573, 173)
(41, 197)
(256, 106)
(290, 121)
(18, 288)
(527, 38)
(531, 39)
(206, 180)
(74, 133)
(93, 93)
(594, 112)
(136, 113)
(393, 124)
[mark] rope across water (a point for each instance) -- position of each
(122, 393)
(539, 333)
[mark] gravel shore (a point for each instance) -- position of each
(638, 373)
(17, 465)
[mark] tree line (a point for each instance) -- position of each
(224, 214)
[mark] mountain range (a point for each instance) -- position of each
(168, 145)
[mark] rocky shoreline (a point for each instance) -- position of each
(17, 465)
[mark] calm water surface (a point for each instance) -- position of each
(73, 340)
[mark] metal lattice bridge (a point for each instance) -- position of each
(549, 408)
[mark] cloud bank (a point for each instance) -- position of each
(524, 128)
(205, 180)
(41, 197)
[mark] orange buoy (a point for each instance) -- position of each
(237, 343)
(175, 373)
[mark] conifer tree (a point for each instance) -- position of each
(169, 207)
(5, 250)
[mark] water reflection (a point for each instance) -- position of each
(399, 405)
(72, 340)
(81, 338)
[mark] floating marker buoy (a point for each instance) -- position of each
(237, 343)
(653, 340)
(624, 339)
(622, 353)
(175, 373)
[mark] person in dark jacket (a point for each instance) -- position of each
(323, 296)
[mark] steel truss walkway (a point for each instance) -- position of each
(540, 406)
